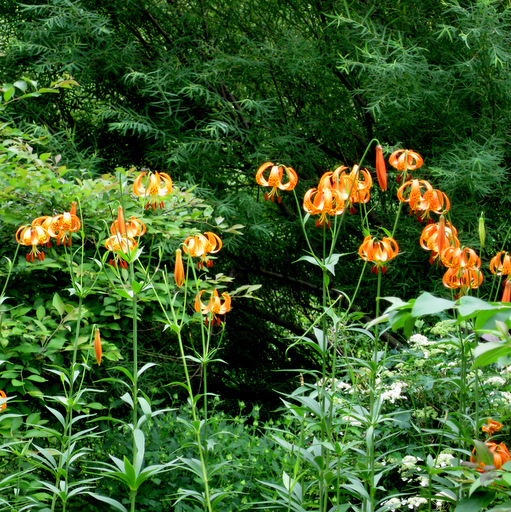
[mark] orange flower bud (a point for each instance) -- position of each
(179, 269)
(98, 349)
(381, 169)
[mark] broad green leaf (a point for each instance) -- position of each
(487, 353)
(468, 306)
(58, 304)
(427, 304)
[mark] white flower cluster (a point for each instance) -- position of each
(444, 459)
(419, 341)
(412, 503)
(415, 503)
(506, 397)
(338, 384)
(495, 381)
(394, 392)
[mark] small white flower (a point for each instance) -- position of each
(495, 381)
(444, 459)
(415, 503)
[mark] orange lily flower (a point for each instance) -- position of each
(179, 269)
(124, 244)
(354, 187)
(491, 427)
(378, 252)
(462, 277)
(381, 169)
(500, 453)
(3, 395)
(214, 305)
(412, 192)
(324, 201)
(405, 160)
(500, 264)
(98, 349)
(275, 179)
(63, 225)
(160, 185)
(34, 236)
(201, 246)
(455, 257)
(434, 201)
(437, 237)
(132, 227)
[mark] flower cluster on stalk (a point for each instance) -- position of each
(42, 229)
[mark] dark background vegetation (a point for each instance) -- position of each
(209, 90)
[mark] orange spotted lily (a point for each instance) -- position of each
(120, 244)
(378, 252)
(412, 192)
(132, 227)
(405, 160)
(433, 201)
(462, 269)
(500, 454)
(324, 201)
(214, 307)
(354, 187)
(61, 226)
(160, 184)
(275, 179)
(33, 236)
(500, 264)
(437, 237)
(491, 427)
(202, 245)
(4, 396)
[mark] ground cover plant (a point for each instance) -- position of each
(90, 418)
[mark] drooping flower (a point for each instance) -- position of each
(500, 264)
(433, 201)
(202, 245)
(437, 237)
(462, 269)
(214, 307)
(405, 160)
(98, 349)
(412, 192)
(33, 236)
(354, 187)
(179, 269)
(44, 222)
(3, 395)
(120, 244)
(500, 454)
(275, 179)
(378, 252)
(491, 427)
(159, 185)
(324, 201)
(132, 227)
(61, 226)
(456, 257)
(381, 169)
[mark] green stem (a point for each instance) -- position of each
(133, 493)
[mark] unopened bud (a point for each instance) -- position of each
(482, 230)
(98, 349)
